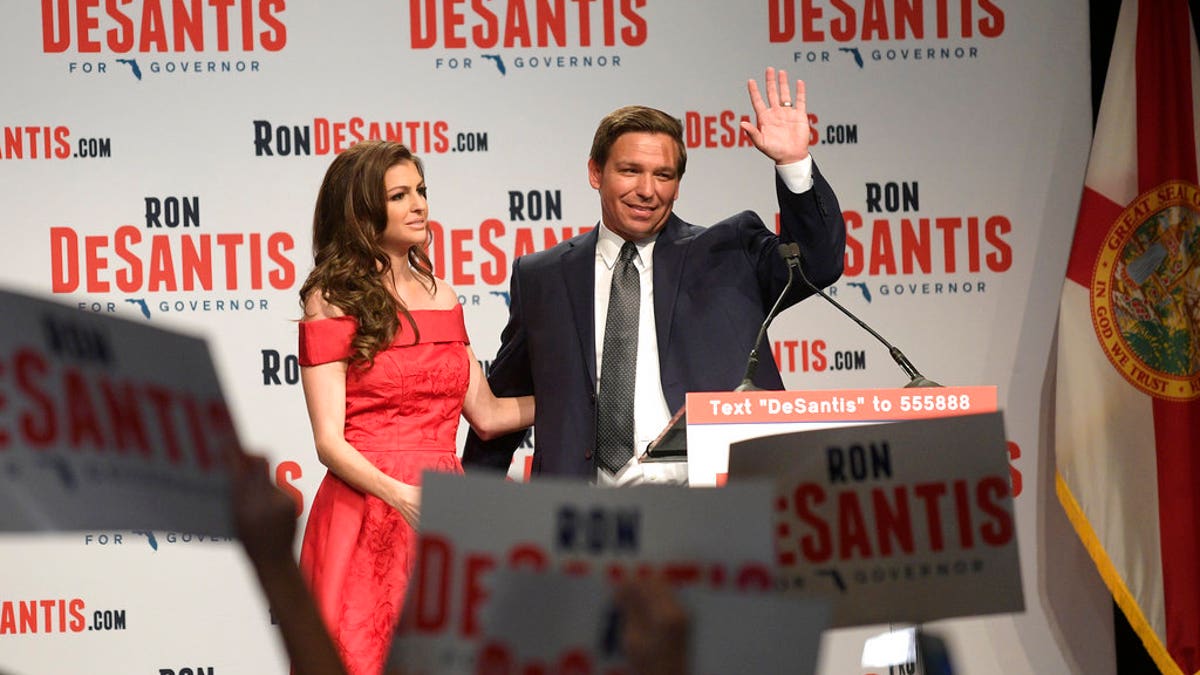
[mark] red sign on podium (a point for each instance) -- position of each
(716, 419)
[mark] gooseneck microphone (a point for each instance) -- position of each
(791, 253)
(752, 362)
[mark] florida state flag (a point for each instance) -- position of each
(1128, 399)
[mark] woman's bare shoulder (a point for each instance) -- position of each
(446, 297)
(317, 307)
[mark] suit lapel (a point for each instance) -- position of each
(669, 250)
(579, 274)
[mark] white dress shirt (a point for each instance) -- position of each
(650, 413)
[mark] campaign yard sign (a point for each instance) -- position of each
(553, 622)
(472, 527)
(107, 424)
(903, 522)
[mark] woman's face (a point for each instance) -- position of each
(407, 211)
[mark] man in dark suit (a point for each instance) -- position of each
(675, 310)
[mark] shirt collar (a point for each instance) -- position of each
(608, 247)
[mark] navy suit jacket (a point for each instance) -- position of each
(713, 287)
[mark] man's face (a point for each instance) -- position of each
(638, 184)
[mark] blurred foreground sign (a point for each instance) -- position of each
(549, 619)
(474, 527)
(107, 424)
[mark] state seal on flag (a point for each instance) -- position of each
(1145, 292)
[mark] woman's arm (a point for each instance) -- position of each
(325, 395)
(488, 415)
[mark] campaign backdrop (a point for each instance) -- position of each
(159, 162)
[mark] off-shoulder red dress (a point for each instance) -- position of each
(402, 415)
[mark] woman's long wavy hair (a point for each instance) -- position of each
(349, 265)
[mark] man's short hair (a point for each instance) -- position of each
(637, 118)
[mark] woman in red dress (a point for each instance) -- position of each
(387, 369)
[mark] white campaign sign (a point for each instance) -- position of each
(472, 527)
(552, 620)
(107, 423)
(903, 522)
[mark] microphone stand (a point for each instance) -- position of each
(752, 362)
(791, 253)
(672, 442)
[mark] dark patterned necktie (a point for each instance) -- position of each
(618, 367)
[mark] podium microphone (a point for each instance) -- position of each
(672, 442)
(752, 362)
(791, 253)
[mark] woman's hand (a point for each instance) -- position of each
(406, 499)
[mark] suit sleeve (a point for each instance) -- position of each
(510, 375)
(811, 219)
